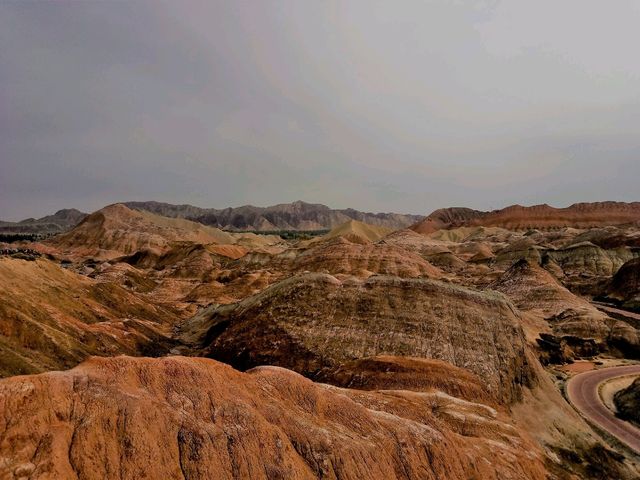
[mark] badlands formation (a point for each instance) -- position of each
(159, 341)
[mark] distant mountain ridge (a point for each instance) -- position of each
(60, 221)
(517, 217)
(298, 215)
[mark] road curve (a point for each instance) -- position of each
(582, 391)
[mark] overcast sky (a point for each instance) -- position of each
(376, 105)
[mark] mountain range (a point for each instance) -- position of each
(296, 216)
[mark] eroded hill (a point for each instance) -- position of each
(199, 419)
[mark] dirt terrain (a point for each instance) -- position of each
(432, 352)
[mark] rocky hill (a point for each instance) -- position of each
(196, 418)
(580, 328)
(117, 230)
(52, 318)
(313, 323)
(356, 232)
(445, 218)
(517, 217)
(60, 221)
(287, 216)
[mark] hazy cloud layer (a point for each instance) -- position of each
(382, 106)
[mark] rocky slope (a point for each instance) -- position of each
(287, 216)
(533, 289)
(446, 218)
(517, 217)
(313, 323)
(402, 326)
(386, 372)
(52, 318)
(341, 256)
(103, 420)
(578, 327)
(625, 285)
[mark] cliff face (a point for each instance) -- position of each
(103, 420)
(313, 323)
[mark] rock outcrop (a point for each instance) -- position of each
(446, 218)
(580, 328)
(533, 289)
(117, 230)
(625, 285)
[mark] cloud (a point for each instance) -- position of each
(374, 105)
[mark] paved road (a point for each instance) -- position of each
(582, 391)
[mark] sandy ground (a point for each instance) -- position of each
(578, 367)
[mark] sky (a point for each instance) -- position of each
(403, 106)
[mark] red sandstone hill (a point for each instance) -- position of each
(517, 217)
(196, 418)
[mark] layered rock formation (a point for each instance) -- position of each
(117, 230)
(413, 349)
(580, 328)
(446, 218)
(386, 372)
(533, 289)
(341, 256)
(586, 259)
(313, 323)
(51, 318)
(104, 420)
(625, 285)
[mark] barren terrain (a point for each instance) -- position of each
(136, 345)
